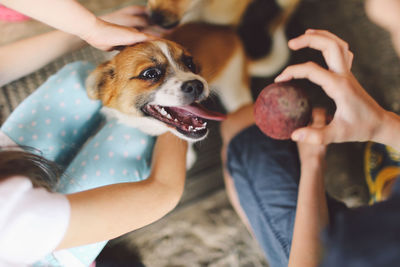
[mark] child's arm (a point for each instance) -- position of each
(71, 17)
(358, 117)
(65, 15)
(110, 211)
(25, 56)
(312, 211)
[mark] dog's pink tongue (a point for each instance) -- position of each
(202, 112)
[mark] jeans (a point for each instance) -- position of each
(266, 175)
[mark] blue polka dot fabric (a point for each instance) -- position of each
(65, 126)
(116, 152)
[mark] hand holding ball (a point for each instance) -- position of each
(280, 109)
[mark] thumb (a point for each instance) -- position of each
(317, 136)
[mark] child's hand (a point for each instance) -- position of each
(130, 16)
(118, 28)
(135, 16)
(358, 117)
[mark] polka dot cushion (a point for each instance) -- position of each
(58, 117)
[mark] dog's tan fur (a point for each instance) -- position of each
(212, 50)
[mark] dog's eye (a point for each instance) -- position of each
(151, 74)
(188, 61)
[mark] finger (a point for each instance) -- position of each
(142, 37)
(329, 35)
(334, 53)
(131, 21)
(344, 45)
(310, 135)
(155, 31)
(326, 34)
(318, 117)
(150, 36)
(127, 20)
(132, 38)
(312, 72)
(136, 21)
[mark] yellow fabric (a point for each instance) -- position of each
(386, 174)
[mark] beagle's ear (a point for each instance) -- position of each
(99, 79)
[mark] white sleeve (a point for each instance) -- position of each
(32, 221)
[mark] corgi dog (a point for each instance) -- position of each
(154, 86)
(171, 13)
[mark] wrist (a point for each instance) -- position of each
(388, 131)
(313, 165)
(89, 27)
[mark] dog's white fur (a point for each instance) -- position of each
(275, 60)
(170, 94)
(229, 85)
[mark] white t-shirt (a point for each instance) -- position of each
(33, 221)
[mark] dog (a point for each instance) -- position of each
(268, 29)
(157, 86)
(154, 86)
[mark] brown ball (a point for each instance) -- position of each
(280, 109)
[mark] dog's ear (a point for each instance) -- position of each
(99, 79)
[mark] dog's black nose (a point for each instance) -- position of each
(163, 20)
(157, 17)
(193, 87)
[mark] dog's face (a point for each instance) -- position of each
(169, 13)
(157, 83)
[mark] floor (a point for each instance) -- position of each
(207, 232)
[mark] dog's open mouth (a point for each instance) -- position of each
(189, 120)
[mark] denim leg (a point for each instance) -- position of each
(266, 176)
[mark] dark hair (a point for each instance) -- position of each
(42, 172)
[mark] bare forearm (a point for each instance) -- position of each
(110, 211)
(65, 15)
(25, 56)
(311, 217)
